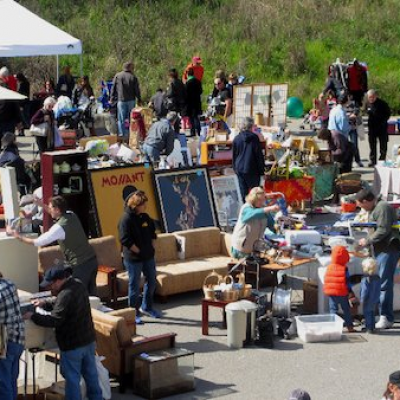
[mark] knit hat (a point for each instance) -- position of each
(299, 394)
(196, 59)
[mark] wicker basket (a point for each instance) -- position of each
(246, 291)
(230, 294)
(210, 282)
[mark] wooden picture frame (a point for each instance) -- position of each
(109, 187)
(186, 200)
(227, 198)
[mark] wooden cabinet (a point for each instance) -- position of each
(216, 153)
(219, 153)
(72, 185)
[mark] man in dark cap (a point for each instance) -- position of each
(299, 394)
(125, 92)
(72, 319)
(393, 387)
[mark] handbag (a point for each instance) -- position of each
(39, 130)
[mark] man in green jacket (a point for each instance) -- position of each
(386, 243)
(74, 244)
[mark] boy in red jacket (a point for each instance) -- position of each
(337, 285)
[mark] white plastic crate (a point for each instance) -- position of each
(319, 328)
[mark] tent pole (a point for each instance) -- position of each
(58, 68)
(81, 61)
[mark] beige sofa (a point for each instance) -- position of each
(118, 341)
(206, 249)
(112, 280)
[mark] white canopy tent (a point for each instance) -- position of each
(6, 94)
(24, 34)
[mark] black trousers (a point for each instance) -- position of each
(247, 182)
(373, 141)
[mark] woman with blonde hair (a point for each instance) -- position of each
(44, 118)
(253, 219)
(137, 235)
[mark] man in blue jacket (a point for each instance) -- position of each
(247, 158)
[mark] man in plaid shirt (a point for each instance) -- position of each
(10, 317)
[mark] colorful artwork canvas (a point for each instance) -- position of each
(109, 188)
(185, 199)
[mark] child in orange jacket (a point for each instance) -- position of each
(337, 286)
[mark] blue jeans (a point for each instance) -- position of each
(387, 262)
(343, 301)
(353, 136)
(124, 109)
(9, 370)
(151, 153)
(76, 363)
(135, 269)
(369, 315)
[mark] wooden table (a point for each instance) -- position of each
(283, 267)
(268, 272)
(205, 303)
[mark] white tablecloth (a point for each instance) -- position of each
(387, 181)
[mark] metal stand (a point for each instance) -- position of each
(242, 262)
(33, 353)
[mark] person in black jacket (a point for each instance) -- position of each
(193, 101)
(9, 157)
(378, 114)
(72, 319)
(247, 158)
(137, 235)
(175, 97)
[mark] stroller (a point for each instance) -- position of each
(78, 118)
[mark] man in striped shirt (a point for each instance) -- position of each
(11, 319)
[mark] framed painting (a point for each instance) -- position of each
(110, 186)
(227, 197)
(185, 199)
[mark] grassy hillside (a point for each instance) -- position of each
(266, 40)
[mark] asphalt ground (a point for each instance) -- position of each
(356, 368)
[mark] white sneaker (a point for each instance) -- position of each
(383, 323)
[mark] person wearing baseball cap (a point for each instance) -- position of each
(299, 394)
(72, 319)
(198, 69)
(393, 387)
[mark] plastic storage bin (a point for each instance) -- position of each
(319, 328)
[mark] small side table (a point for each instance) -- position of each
(205, 303)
